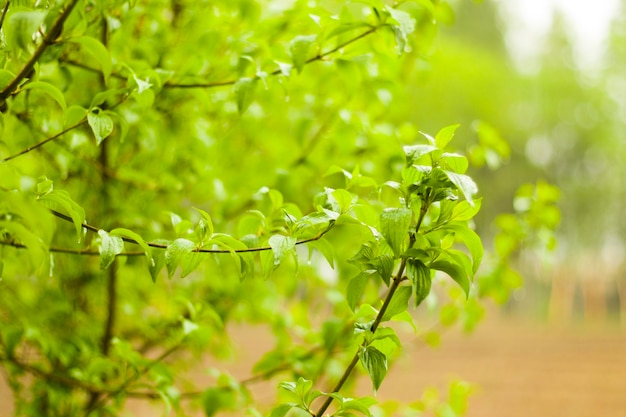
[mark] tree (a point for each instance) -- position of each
(167, 167)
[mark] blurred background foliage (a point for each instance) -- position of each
(339, 122)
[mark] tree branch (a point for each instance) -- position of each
(379, 317)
(5, 9)
(48, 40)
(199, 250)
(214, 84)
(43, 142)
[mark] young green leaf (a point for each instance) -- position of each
(415, 152)
(419, 275)
(405, 25)
(101, 124)
(398, 303)
(394, 225)
(109, 247)
(21, 26)
(98, 51)
(282, 409)
(129, 234)
(281, 246)
(49, 89)
(445, 135)
(176, 253)
(299, 48)
(384, 264)
(375, 363)
(244, 90)
(463, 211)
(465, 184)
(471, 240)
(355, 288)
(455, 271)
(61, 198)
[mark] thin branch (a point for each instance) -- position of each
(199, 250)
(398, 278)
(5, 9)
(43, 142)
(214, 84)
(108, 394)
(85, 252)
(318, 57)
(48, 40)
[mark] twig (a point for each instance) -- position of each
(200, 250)
(214, 84)
(48, 40)
(5, 9)
(381, 313)
(85, 252)
(43, 142)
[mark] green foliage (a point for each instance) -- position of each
(214, 162)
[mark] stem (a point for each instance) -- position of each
(379, 317)
(199, 250)
(5, 9)
(43, 142)
(48, 40)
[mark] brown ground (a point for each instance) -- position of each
(521, 370)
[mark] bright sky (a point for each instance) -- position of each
(529, 21)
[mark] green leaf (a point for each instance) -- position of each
(324, 247)
(465, 184)
(419, 275)
(281, 245)
(299, 48)
(471, 240)
(129, 234)
(455, 162)
(101, 124)
(103, 96)
(455, 271)
(405, 25)
(62, 199)
(282, 409)
(355, 288)
(399, 303)
(158, 261)
(98, 51)
(6, 77)
(445, 135)
(74, 115)
(49, 89)
(384, 264)
(394, 225)
(109, 247)
(38, 251)
(205, 225)
(375, 363)
(244, 90)
(415, 152)
(20, 27)
(177, 252)
(464, 211)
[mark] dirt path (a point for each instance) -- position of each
(521, 369)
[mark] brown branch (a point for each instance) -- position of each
(85, 252)
(199, 250)
(5, 9)
(379, 317)
(48, 40)
(214, 84)
(43, 142)
(111, 393)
